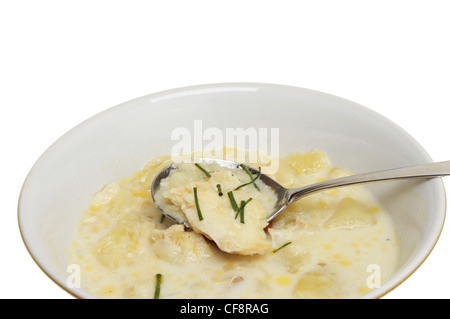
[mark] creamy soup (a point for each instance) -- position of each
(339, 243)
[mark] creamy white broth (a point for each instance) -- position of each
(335, 241)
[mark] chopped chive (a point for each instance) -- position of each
(162, 218)
(157, 286)
(203, 170)
(219, 188)
(199, 212)
(275, 250)
(251, 182)
(233, 201)
(249, 174)
(241, 210)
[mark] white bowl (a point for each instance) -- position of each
(116, 142)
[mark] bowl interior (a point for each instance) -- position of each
(116, 142)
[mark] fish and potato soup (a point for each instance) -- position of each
(339, 243)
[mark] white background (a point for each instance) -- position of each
(64, 61)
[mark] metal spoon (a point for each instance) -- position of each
(288, 195)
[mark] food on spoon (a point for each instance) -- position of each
(235, 222)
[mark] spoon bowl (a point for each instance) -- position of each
(282, 192)
(286, 196)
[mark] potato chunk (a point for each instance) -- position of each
(315, 284)
(105, 195)
(117, 246)
(176, 245)
(350, 214)
(285, 174)
(309, 163)
(294, 255)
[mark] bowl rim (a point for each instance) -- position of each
(182, 91)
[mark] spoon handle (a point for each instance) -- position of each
(438, 169)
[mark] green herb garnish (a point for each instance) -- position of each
(162, 218)
(249, 174)
(233, 201)
(199, 212)
(251, 182)
(203, 170)
(241, 209)
(157, 286)
(219, 188)
(275, 250)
